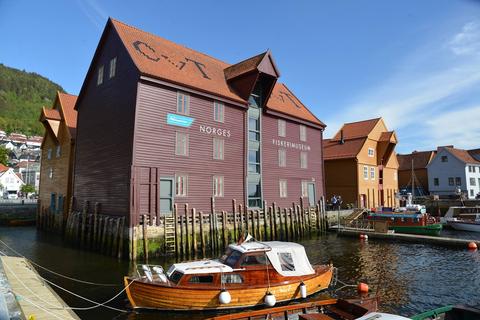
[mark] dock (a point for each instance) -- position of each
(415, 238)
(34, 297)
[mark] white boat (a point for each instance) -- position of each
(381, 316)
(466, 222)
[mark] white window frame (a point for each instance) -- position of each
(303, 133)
(178, 136)
(371, 152)
(218, 149)
(218, 111)
(282, 184)
(282, 157)
(472, 181)
(372, 173)
(183, 103)
(305, 188)
(113, 68)
(282, 128)
(50, 173)
(303, 160)
(218, 185)
(58, 152)
(100, 75)
(365, 172)
(181, 185)
(49, 153)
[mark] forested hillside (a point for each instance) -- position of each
(22, 96)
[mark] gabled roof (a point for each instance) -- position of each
(165, 60)
(462, 155)
(51, 114)
(420, 160)
(475, 153)
(332, 149)
(67, 103)
(358, 129)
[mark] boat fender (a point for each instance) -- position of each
(270, 299)
(148, 272)
(303, 290)
(472, 246)
(362, 287)
(224, 297)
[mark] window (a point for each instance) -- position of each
(435, 182)
(286, 261)
(372, 173)
(282, 128)
(59, 151)
(253, 127)
(253, 260)
(254, 195)
(218, 111)
(303, 133)
(458, 181)
(451, 182)
(444, 159)
(218, 147)
(371, 152)
(469, 168)
(304, 188)
(282, 157)
(181, 144)
(183, 103)
(113, 67)
(176, 276)
(49, 154)
(201, 279)
(181, 185)
(254, 161)
(218, 186)
(472, 181)
(100, 76)
(303, 160)
(50, 173)
(232, 258)
(283, 188)
(232, 278)
(472, 193)
(365, 172)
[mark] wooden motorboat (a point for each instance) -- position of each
(465, 222)
(249, 274)
(318, 309)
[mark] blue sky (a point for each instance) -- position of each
(416, 63)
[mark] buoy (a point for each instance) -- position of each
(362, 236)
(365, 237)
(270, 299)
(472, 246)
(303, 290)
(224, 297)
(362, 287)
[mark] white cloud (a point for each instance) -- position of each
(421, 100)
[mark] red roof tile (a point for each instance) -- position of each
(51, 114)
(357, 129)
(462, 155)
(67, 101)
(420, 160)
(333, 149)
(3, 168)
(163, 59)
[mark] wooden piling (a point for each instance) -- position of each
(194, 234)
(182, 244)
(265, 220)
(270, 220)
(241, 230)
(84, 222)
(281, 233)
(187, 233)
(224, 229)
(175, 223)
(121, 238)
(285, 227)
(115, 237)
(259, 233)
(318, 215)
(202, 235)
(247, 229)
(104, 235)
(234, 214)
(275, 225)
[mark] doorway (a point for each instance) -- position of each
(166, 195)
(311, 194)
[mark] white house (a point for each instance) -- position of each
(453, 169)
(10, 183)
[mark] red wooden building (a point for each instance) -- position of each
(159, 123)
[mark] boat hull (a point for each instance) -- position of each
(429, 230)
(464, 226)
(147, 295)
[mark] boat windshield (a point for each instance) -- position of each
(231, 257)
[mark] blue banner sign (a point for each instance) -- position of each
(178, 120)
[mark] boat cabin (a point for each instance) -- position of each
(245, 264)
(400, 219)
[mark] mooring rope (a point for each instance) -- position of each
(36, 305)
(59, 274)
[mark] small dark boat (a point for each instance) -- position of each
(450, 313)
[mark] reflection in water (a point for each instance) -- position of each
(409, 277)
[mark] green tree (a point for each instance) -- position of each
(3, 155)
(27, 188)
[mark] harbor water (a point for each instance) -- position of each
(409, 278)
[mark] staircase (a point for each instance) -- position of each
(170, 225)
(355, 215)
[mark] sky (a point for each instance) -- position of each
(414, 63)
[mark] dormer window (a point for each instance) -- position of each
(371, 152)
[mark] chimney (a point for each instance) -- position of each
(342, 140)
